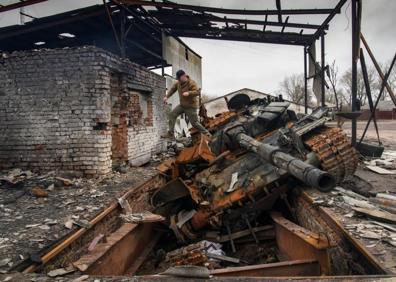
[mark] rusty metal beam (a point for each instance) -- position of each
(277, 269)
(100, 218)
(148, 248)
(268, 231)
(5, 8)
(199, 151)
(121, 251)
(296, 242)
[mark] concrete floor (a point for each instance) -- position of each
(387, 131)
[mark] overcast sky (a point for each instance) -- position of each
(228, 66)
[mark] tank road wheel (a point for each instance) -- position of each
(334, 151)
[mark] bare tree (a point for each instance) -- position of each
(346, 82)
(293, 88)
(376, 88)
(333, 78)
(345, 99)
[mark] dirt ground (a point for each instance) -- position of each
(28, 223)
(387, 131)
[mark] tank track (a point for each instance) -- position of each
(334, 151)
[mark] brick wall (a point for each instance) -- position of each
(379, 114)
(61, 108)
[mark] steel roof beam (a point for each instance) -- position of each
(210, 18)
(5, 8)
(326, 22)
(223, 10)
(249, 36)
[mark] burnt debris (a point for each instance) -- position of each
(234, 188)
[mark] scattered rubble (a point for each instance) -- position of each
(369, 216)
(173, 147)
(60, 272)
(39, 209)
(199, 254)
(15, 176)
(142, 217)
(385, 165)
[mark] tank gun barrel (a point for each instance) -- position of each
(303, 171)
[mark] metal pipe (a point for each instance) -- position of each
(368, 91)
(322, 69)
(305, 82)
(305, 172)
(354, 68)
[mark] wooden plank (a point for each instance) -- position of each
(377, 214)
(380, 170)
(277, 269)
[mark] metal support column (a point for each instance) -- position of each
(305, 82)
(322, 69)
(122, 33)
(355, 38)
(368, 92)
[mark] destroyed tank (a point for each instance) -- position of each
(258, 152)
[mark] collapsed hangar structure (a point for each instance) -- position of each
(119, 116)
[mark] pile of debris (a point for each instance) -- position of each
(379, 209)
(173, 148)
(386, 165)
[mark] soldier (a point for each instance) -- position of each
(189, 103)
